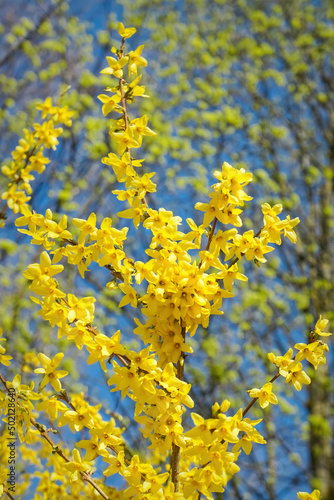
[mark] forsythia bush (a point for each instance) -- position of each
(181, 293)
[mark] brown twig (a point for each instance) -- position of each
(8, 494)
(175, 465)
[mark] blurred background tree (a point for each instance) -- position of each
(246, 81)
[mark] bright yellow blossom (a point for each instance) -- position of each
(115, 66)
(47, 134)
(315, 495)
(125, 32)
(297, 377)
(282, 362)
(51, 375)
(77, 465)
(320, 326)
(44, 269)
(265, 395)
(136, 59)
(109, 103)
(116, 464)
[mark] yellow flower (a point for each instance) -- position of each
(311, 352)
(2, 339)
(288, 231)
(125, 140)
(93, 448)
(123, 167)
(233, 180)
(46, 107)
(144, 271)
(169, 493)
(174, 347)
(52, 406)
(195, 233)
(109, 102)
(125, 32)
(297, 377)
(77, 465)
(45, 268)
(130, 295)
(116, 464)
(51, 375)
(78, 419)
(134, 90)
(228, 275)
(29, 218)
(47, 134)
(63, 115)
(124, 379)
(244, 443)
(5, 359)
(58, 230)
(320, 326)
(3, 479)
(134, 472)
(37, 162)
(143, 185)
(103, 347)
(136, 59)
(282, 362)
(140, 128)
(265, 395)
(87, 227)
(80, 309)
(315, 495)
(136, 213)
(115, 66)
(211, 211)
(15, 197)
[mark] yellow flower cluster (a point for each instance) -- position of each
(207, 448)
(127, 133)
(77, 414)
(28, 155)
(291, 367)
(4, 358)
(106, 248)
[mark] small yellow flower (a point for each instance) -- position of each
(51, 375)
(136, 59)
(129, 297)
(265, 395)
(37, 271)
(125, 32)
(297, 377)
(77, 465)
(115, 66)
(320, 326)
